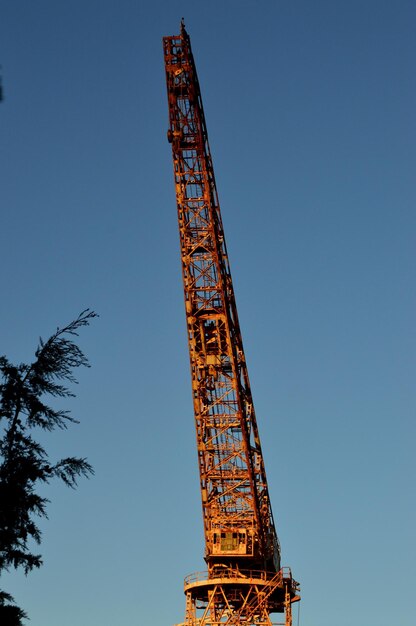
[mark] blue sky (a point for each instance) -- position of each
(310, 113)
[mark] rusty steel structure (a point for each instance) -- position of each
(244, 583)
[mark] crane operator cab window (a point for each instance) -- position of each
(230, 542)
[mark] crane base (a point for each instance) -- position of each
(231, 597)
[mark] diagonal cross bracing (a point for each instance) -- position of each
(238, 521)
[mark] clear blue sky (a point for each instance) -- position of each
(310, 108)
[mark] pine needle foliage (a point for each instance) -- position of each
(11, 615)
(24, 463)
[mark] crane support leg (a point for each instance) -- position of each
(288, 608)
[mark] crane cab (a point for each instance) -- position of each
(231, 542)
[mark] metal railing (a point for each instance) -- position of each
(230, 572)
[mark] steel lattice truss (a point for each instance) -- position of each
(233, 481)
(238, 520)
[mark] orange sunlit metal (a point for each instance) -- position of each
(244, 582)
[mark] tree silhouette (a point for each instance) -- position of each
(24, 463)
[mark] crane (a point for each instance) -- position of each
(244, 582)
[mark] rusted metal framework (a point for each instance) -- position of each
(244, 583)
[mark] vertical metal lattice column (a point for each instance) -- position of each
(244, 581)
